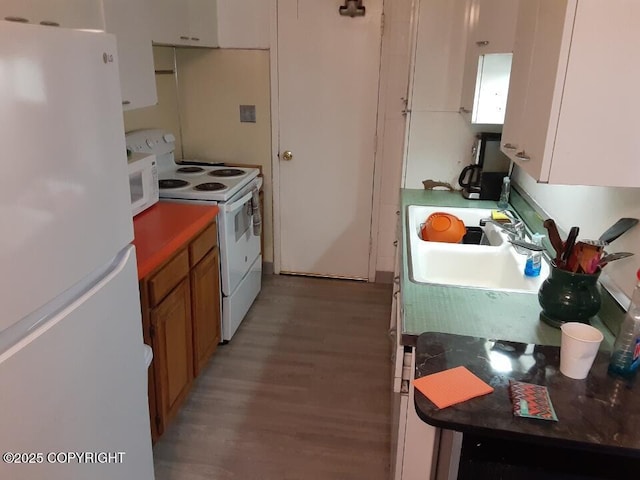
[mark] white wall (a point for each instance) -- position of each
(212, 84)
(593, 209)
(440, 138)
(394, 79)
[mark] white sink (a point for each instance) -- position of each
(495, 266)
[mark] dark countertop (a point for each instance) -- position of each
(600, 413)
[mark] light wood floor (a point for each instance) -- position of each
(301, 392)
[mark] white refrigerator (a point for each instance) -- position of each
(73, 380)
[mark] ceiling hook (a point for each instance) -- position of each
(352, 8)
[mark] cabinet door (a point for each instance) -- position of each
(597, 142)
(205, 301)
(154, 417)
(129, 21)
(492, 26)
(549, 61)
(244, 23)
(170, 22)
(495, 29)
(439, 56)
(203, 23)
(173, 351)
(512, 141)
(64, 13)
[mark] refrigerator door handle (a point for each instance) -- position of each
(12, 338)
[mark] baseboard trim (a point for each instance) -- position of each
(384, 277)
(267, 268)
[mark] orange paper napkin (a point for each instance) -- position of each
(451, 386)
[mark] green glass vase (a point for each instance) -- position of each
(569, 297)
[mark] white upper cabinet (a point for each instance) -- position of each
(572, 107)
(170, 22)
(185, 23)
(86, 14)
(439, 56)
(203, 22)
(129, 21)
(244, 23)
(491, 28)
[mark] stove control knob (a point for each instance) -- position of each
(287, 155)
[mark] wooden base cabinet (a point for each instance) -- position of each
(181, 320)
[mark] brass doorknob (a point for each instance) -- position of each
(287, 155)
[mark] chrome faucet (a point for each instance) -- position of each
(515, 227)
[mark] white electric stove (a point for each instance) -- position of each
(235, 191)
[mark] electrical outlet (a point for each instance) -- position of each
(248, 113)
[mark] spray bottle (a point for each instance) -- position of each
(534, 260)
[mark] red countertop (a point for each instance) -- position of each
(162, 229)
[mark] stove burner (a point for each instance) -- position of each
(210, 186)
(190, 170)
(227, 172)
(172, 183)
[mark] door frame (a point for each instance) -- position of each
(275, 150)
(275, 133)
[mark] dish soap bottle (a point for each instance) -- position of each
(625, 356)
(503, 202)
(534, 260)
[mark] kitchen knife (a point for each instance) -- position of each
(612, 257)
(554, 238)
(617, 229)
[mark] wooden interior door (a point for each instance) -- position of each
(328, 72)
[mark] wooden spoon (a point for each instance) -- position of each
(569, 244)
(554, 238)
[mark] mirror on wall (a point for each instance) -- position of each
(492, 87)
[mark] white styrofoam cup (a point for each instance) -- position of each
(579, 346)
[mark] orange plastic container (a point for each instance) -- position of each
(443, 227)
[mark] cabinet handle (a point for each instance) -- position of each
(523, 156)
(49, 23)
(464, 110)
(509, 146)
(395, 294)
(126, 102)
(396, 279)
(405, 111)
(195, 39)
(182, 37)
(16, 19)
(482, 43)
(397, 212)
(395, 243)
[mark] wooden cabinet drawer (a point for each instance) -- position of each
(203, 243)
(168, 277)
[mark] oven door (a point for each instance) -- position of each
(238, 243)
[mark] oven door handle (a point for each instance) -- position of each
(237, 205)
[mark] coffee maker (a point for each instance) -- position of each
(482, 180)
